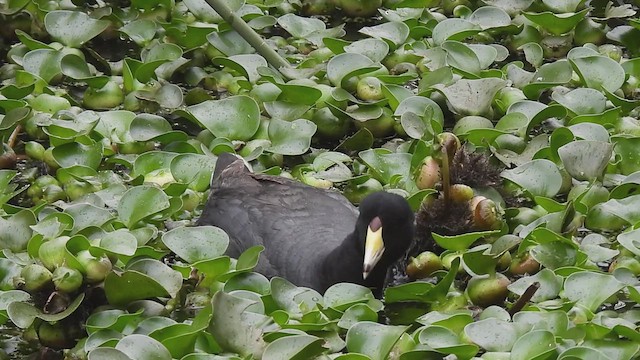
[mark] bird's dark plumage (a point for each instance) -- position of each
(312, 237)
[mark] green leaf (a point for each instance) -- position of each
(555, 321)
(294, 347)
(300, 27)
(73, 153)
(374, 49)
(204, 12)
(413, 291)
(579, 287)
(395, 32)
(236, 329)
(16, 231)
(341, 66)
(453, 29)
(196, 243)
(73, 28)
(140, 286)
(141, 31)
(586, 160)
(582, 101)
(472, 97)
(489, 17)
(44, 63)
(492, 334)
(538, 177)
(294, 300)
(143, 347)
(562, 6)
(462, 241)
(628, 151)
(341, 296)
(141, 202)
(234, 118)
(446, 341)
(373, 339)
(538, 344)
(462, 57)
(550, 285)
(245, 64)
(290, 138)
(105, 353)
(23, 314)
(193, 169)
(582, 352)
(385, 165)
(599, 72)
(230, 43)
(357, 313)
(556, 24)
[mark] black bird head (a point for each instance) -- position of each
(384, 230)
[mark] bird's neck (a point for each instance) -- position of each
(336, 269)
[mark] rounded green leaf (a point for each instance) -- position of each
(341, 296)
(488, 17)
(374, 49)
(234, 118)
(344, 64)
(74, 153)
(556, 24)
(294, 347)
(45, 63)
(23, 314)
(139, 287)
(73, 28)
(453, 29)
(536, 344)
(582, 352)
(106, 353)
(193, 169)
(395, 32)
(472, 97)
(579, 287)
(142, 347)
(539, 177)
(492, 334)
(586, 160)
(203, 11)
(355, 314)
(599, 72)
(196, 243)
(16, 231)
(141, 31)
(236, 329)
(373, 339)
(300, 27)
(141, 202)
(582, 101)
(550, 285)
(462, 241)
(290, 138)
(245, 64)
(230, 43)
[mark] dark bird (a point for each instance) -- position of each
(312, 237)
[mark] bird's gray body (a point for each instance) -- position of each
(249, 208)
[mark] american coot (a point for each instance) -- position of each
(312, 237)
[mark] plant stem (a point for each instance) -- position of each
(446, 180)
(14, 136)
(247, 33)
(524, 298)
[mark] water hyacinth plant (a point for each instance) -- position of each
(511, 127)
